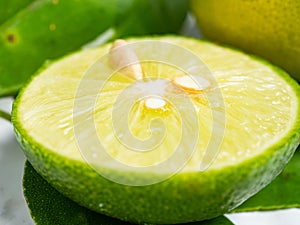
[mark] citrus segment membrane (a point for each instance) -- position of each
(260, 108)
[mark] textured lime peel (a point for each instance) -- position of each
(48, 206)
(262, 130)
(282, 193)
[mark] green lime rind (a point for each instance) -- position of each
(49, 29)
(283, 192)
(47, 206)
(180, 198)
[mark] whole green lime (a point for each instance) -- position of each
(270, 29)
(246, 109)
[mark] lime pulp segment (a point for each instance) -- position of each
(260, 107)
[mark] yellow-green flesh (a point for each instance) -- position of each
(259, 105)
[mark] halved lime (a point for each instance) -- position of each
(205, 128)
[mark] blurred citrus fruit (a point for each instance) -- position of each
(270, 29)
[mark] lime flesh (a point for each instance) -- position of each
(259, 134)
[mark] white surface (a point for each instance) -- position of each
(13, 209)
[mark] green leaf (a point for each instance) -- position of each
(11, 7)
(49, 29)
(47, 206)
(283, 192)
(5, 115)
(221, 220)
(162, 17)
